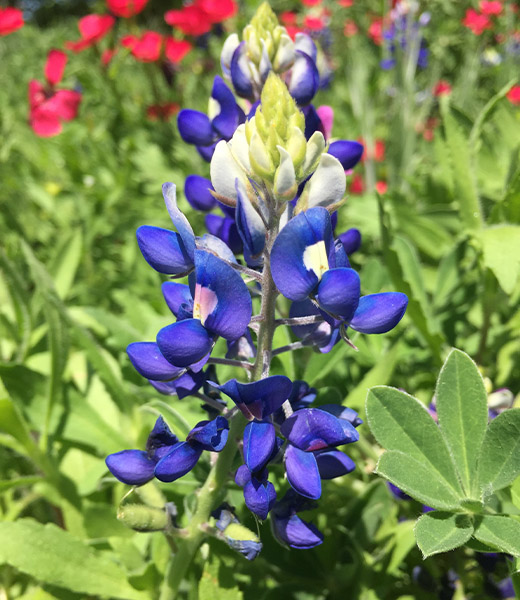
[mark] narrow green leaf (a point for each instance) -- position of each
(400, 422)
(499, 461)
(501, 252)
(437, 532)
(66, 264)
(461, 401)
(8, 484)
(13, 424)
(53, 556)
(417, 480)
(500, 532)
(465, 185)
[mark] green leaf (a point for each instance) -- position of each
(437, 532)
(500, 532)
(501, 252)
(54, 557)
(465, 185)
(66, 264)
(417, 480)
(210, 588)
(400, 422)
(13, 424)
(461, 402)
(8, 484)
(499, 461)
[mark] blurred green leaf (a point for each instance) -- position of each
(209, 584)
(501, 251)
(66, 263)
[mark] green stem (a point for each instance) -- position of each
(214, 488)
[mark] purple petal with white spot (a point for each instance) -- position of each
(379, 313)
(258, 399)
(290, 274)
(178, 462)
(302, 472)
(184, 343)
(304, 79)
(132, 467)
(259, 443)
(150, 363)
(334, 463)
(339, 291)
(163, 250)
(195, 128)
(233, 310)
(198, 194)
(348, 152)
(314, 429)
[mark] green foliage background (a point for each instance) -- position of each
(75, 291)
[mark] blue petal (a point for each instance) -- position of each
(150, 363)
(178, 462)
(132, 467)
(197, 192)
(195, 128)
(259, 443)
(348, 152)
(340, 255)
(312, 121)
(302, 472)
(304, 79)
(314, 429)
(178, 219)
(243, 348)
(232, 313)
(305, 43)
(258, 399)
(296, 533)
(211, 435)
(379, 313)
(230, 115)
(338, 292)
(240, 75)
(259, 497)
(226, 230)
(351, 240)
(242, 476)
(309, 229)
(184, 343)
(334, 463)
(177, 295)
(160, 436)
(163, 250)
(250, 226)
(343, 412)
(207, 151)
(183, 386)
(216, 246)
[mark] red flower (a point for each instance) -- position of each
(357, 185)
(476, 21)
(92, 29)
(126, 8)
(11, 19)
(197, 19)
(377, 153)
(442, 88)
(381, 187)
(313, 23)
(288, 18)
(490, 7)
(162, 112)
(176, 50)
(311, 2)
(514, 95)
(292, 30)
(146, 48)
(350, 29)
(48, 107)
(346, 3)
(218, 10)
(375, 31)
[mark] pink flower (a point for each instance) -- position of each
(442, 88)
(288, 18)
(381, 187)
(92, 29)
(197, 19)
(126, 8)
(176, 50)
(375, 31)
(490, 7)
(311, 2)
(313, 23)
(476, 21)
(49, 107)
(357, 185)
(514, 95)
(11, 19)
(326, 115)
(350, 29)
(149, 47)
(346, 3)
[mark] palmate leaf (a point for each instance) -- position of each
(400, 422)
(499, 532)
(461, 402)
(438, 532)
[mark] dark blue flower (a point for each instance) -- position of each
(288, 528)
(198, 190)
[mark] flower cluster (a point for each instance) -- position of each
(279, 188)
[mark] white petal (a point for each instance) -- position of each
(284, 57)
(328, 184)
(229, 47)
(315, 148)
(285, 185)
(224, 169)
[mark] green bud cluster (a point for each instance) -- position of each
(264, 30)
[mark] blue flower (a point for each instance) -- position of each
(288, 528)
(204, 132)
